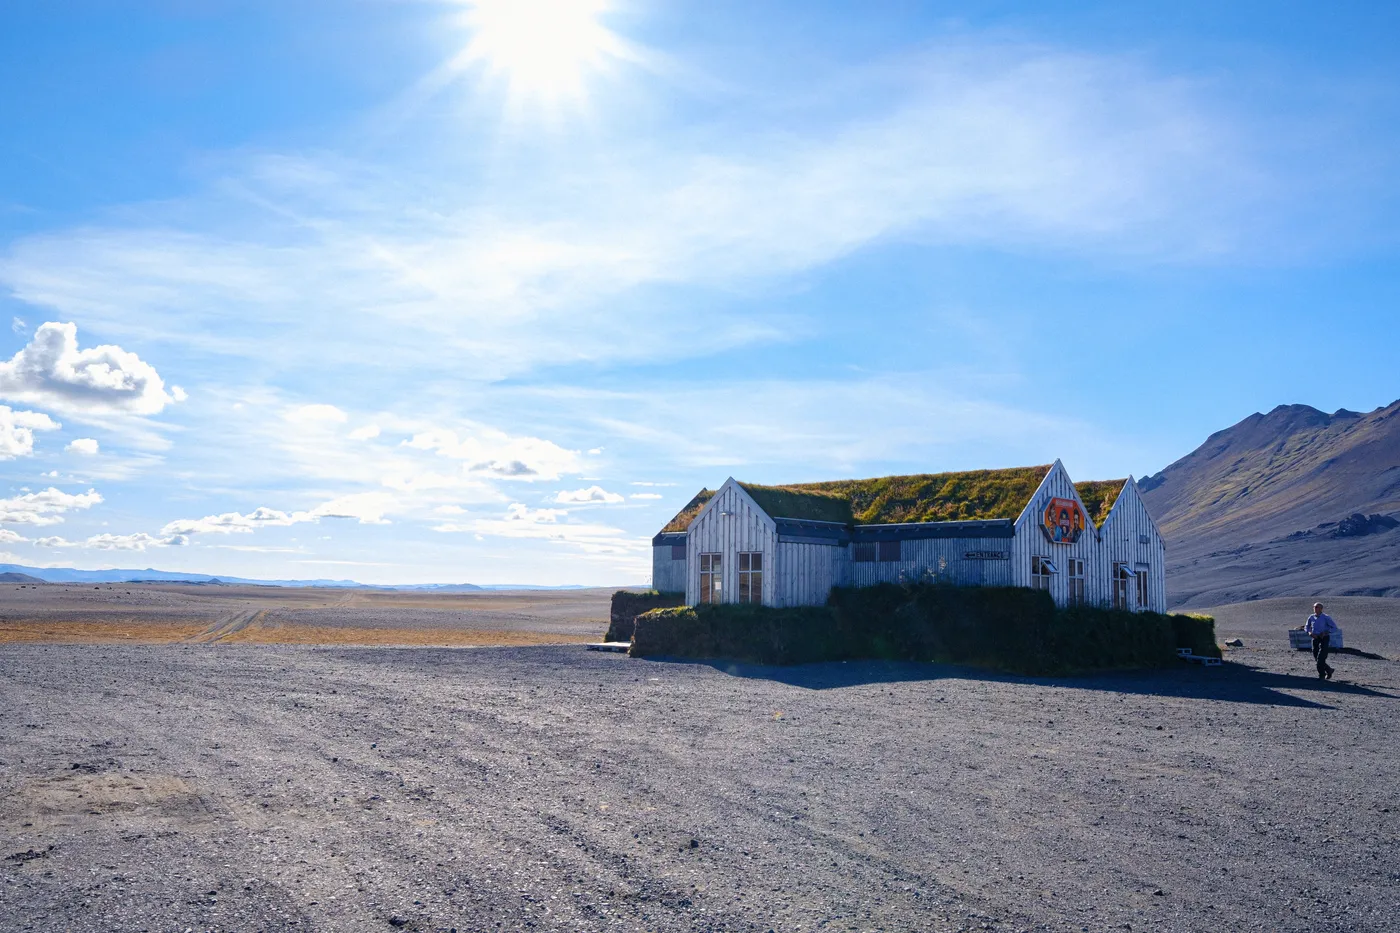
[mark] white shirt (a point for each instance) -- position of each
(1320, 624)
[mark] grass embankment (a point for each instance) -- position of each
(626, 606)
(1003, 628)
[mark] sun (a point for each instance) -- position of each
(544, 50)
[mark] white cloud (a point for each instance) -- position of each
(591, 494)
(110, 542)
(51, 371)
(45, 507)
(86, 446)
(17, 431)
(11, 537)
(368, 508)
(450, 510)
(521, 521)
(494, 453)
(235, 522)
(313, 414)
(134, 542)
(646, 495)
(366, 433)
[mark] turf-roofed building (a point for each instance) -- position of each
(1090, 542)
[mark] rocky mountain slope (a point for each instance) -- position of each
(1293, 502)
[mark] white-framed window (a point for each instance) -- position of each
(711, 573)
(1144, 601)
(1122, 575)
(1041, 571)
(751, 577)
(1074, 570)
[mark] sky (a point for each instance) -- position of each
(454, 292)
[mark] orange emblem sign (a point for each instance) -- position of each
(1063, 521)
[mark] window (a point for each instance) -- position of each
(863, 553)
(678, 552)
(1143, 602)
(1121, 575)
(710, 573)
(751, 577)
(1041, 569)
(889, 550)
(1075, 568)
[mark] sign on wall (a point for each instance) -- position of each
(1063, 521)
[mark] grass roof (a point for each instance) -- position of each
(937, 497)
(1099, 496)
(801, 502)
(967, 495)
(687, 515)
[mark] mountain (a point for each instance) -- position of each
(1295, 502)
(19, 578)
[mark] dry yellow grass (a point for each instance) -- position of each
(98, 633)
(156, 633)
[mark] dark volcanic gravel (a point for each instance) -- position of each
(251, 788)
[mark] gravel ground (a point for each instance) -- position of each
(224, 787)
(163, 612)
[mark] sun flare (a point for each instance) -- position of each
(543, 49)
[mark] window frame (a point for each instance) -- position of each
(751, 577)
(1074, 574)
(1120, 591)
(1042, 572)
(1144, 595)
(711, 577)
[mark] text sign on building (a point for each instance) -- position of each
(1063, 521)
(986, 555)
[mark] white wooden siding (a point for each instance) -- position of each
(943, 556)
(1127, 523)
(731, 523)
(667, 575)
(1030, 541)
(807, 572)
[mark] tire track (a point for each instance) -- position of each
(226, 627)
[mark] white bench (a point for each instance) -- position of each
(1302, 641)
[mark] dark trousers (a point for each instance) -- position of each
(1322, 644)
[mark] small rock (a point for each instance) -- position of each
(1234, 643)
(695, 843)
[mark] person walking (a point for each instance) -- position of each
(1320, 626)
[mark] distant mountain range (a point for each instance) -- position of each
(1295, 502)
(18, 573)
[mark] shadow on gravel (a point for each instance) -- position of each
(1231, 682)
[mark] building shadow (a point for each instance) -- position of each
(1231, 682)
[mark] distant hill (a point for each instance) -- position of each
(1291, 503)
(11, 577)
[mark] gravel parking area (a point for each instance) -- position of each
(228, 787)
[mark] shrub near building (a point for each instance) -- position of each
(627, 605)
(1004, 628)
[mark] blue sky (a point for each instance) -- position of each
(452, 292)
